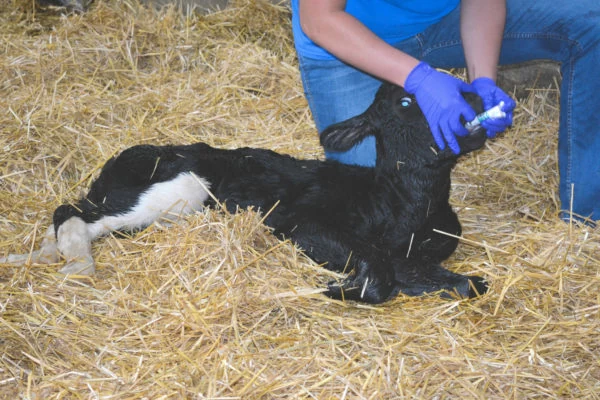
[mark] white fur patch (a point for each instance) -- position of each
(76, 246)
(172, 199)
(73, 239)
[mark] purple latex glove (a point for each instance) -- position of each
(439, 96)
(492, 95)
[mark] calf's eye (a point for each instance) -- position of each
(405, 101)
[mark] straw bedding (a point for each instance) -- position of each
(216, 307)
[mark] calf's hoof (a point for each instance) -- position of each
(478, 286)
(469, 288)
(453, 286)
(80, 266)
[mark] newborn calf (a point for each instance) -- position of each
(376, 222)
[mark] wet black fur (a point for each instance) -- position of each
(361, 219)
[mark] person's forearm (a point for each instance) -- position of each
(328, 25)
(481, 28)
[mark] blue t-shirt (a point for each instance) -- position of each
(391, 20)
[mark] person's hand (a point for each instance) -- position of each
(440, 97)
(492, 95)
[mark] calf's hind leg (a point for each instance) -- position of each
(143, 184)
(75, 245)
(122, 209)
(47, 254)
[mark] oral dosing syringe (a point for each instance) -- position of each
(494, 112)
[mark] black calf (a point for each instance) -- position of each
(378, 222)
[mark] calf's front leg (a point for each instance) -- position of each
(417, 277)
(371, 277)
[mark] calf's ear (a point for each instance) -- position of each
(344, 135)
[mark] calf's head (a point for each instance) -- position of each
(401, 131)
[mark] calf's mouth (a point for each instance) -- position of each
(473, 141)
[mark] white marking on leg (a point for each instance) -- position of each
(75, 245)
(48, 249)
(172, 199)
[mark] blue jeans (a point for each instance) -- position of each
(567, 32)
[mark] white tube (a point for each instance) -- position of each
(494, 112)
